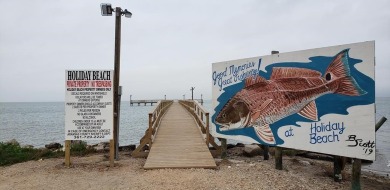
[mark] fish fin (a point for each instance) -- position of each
(265, 134)
(254, 80)
(289, 72)
(309, 111)
(256, 114)
(339, 70)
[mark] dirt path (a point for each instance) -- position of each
(92, 172)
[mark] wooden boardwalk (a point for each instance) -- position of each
(179, 143)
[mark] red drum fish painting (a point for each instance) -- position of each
(288, 91)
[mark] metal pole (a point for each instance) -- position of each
(192, 93)
(380, 123)
(278, 150)
(118, 12)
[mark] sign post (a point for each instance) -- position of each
(88, 107)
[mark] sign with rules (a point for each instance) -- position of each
(89, 104)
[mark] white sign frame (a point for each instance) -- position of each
(89, 104)
(348, 132)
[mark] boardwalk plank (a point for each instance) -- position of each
(179, 143)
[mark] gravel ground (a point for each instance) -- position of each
(238, 172)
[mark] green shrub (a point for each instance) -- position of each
(80, 148)
(12, 153)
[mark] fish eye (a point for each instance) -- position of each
(328, 76)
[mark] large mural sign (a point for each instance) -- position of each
(320, 100)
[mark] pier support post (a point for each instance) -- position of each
(207, 130)
(278, 158)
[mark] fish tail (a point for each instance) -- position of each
(339, 70)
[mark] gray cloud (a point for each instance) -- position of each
(168, 46)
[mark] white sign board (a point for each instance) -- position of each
(320, 100)
(89, 104)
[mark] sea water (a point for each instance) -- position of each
(40, 123)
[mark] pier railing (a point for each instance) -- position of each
(154, 121)
(202, 118)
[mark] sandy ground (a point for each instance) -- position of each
(238, 172)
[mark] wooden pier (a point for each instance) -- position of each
(177, 138)
(151, 102)
(144, 102)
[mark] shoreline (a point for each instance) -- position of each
(103, 147)
(236, 172)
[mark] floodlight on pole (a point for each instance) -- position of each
(127, 13)
(106, 9)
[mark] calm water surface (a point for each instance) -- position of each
(40, 123)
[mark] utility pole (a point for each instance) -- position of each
(117, 63)
(107, 11)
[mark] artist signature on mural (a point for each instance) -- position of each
(367, 146)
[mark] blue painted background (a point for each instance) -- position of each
(329, 103)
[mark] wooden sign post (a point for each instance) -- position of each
(112, 152)
(67, 153)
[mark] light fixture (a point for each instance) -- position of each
(127, 13)
(106, 9)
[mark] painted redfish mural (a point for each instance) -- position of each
(289, 91)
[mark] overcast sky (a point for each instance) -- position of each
(169, 46)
